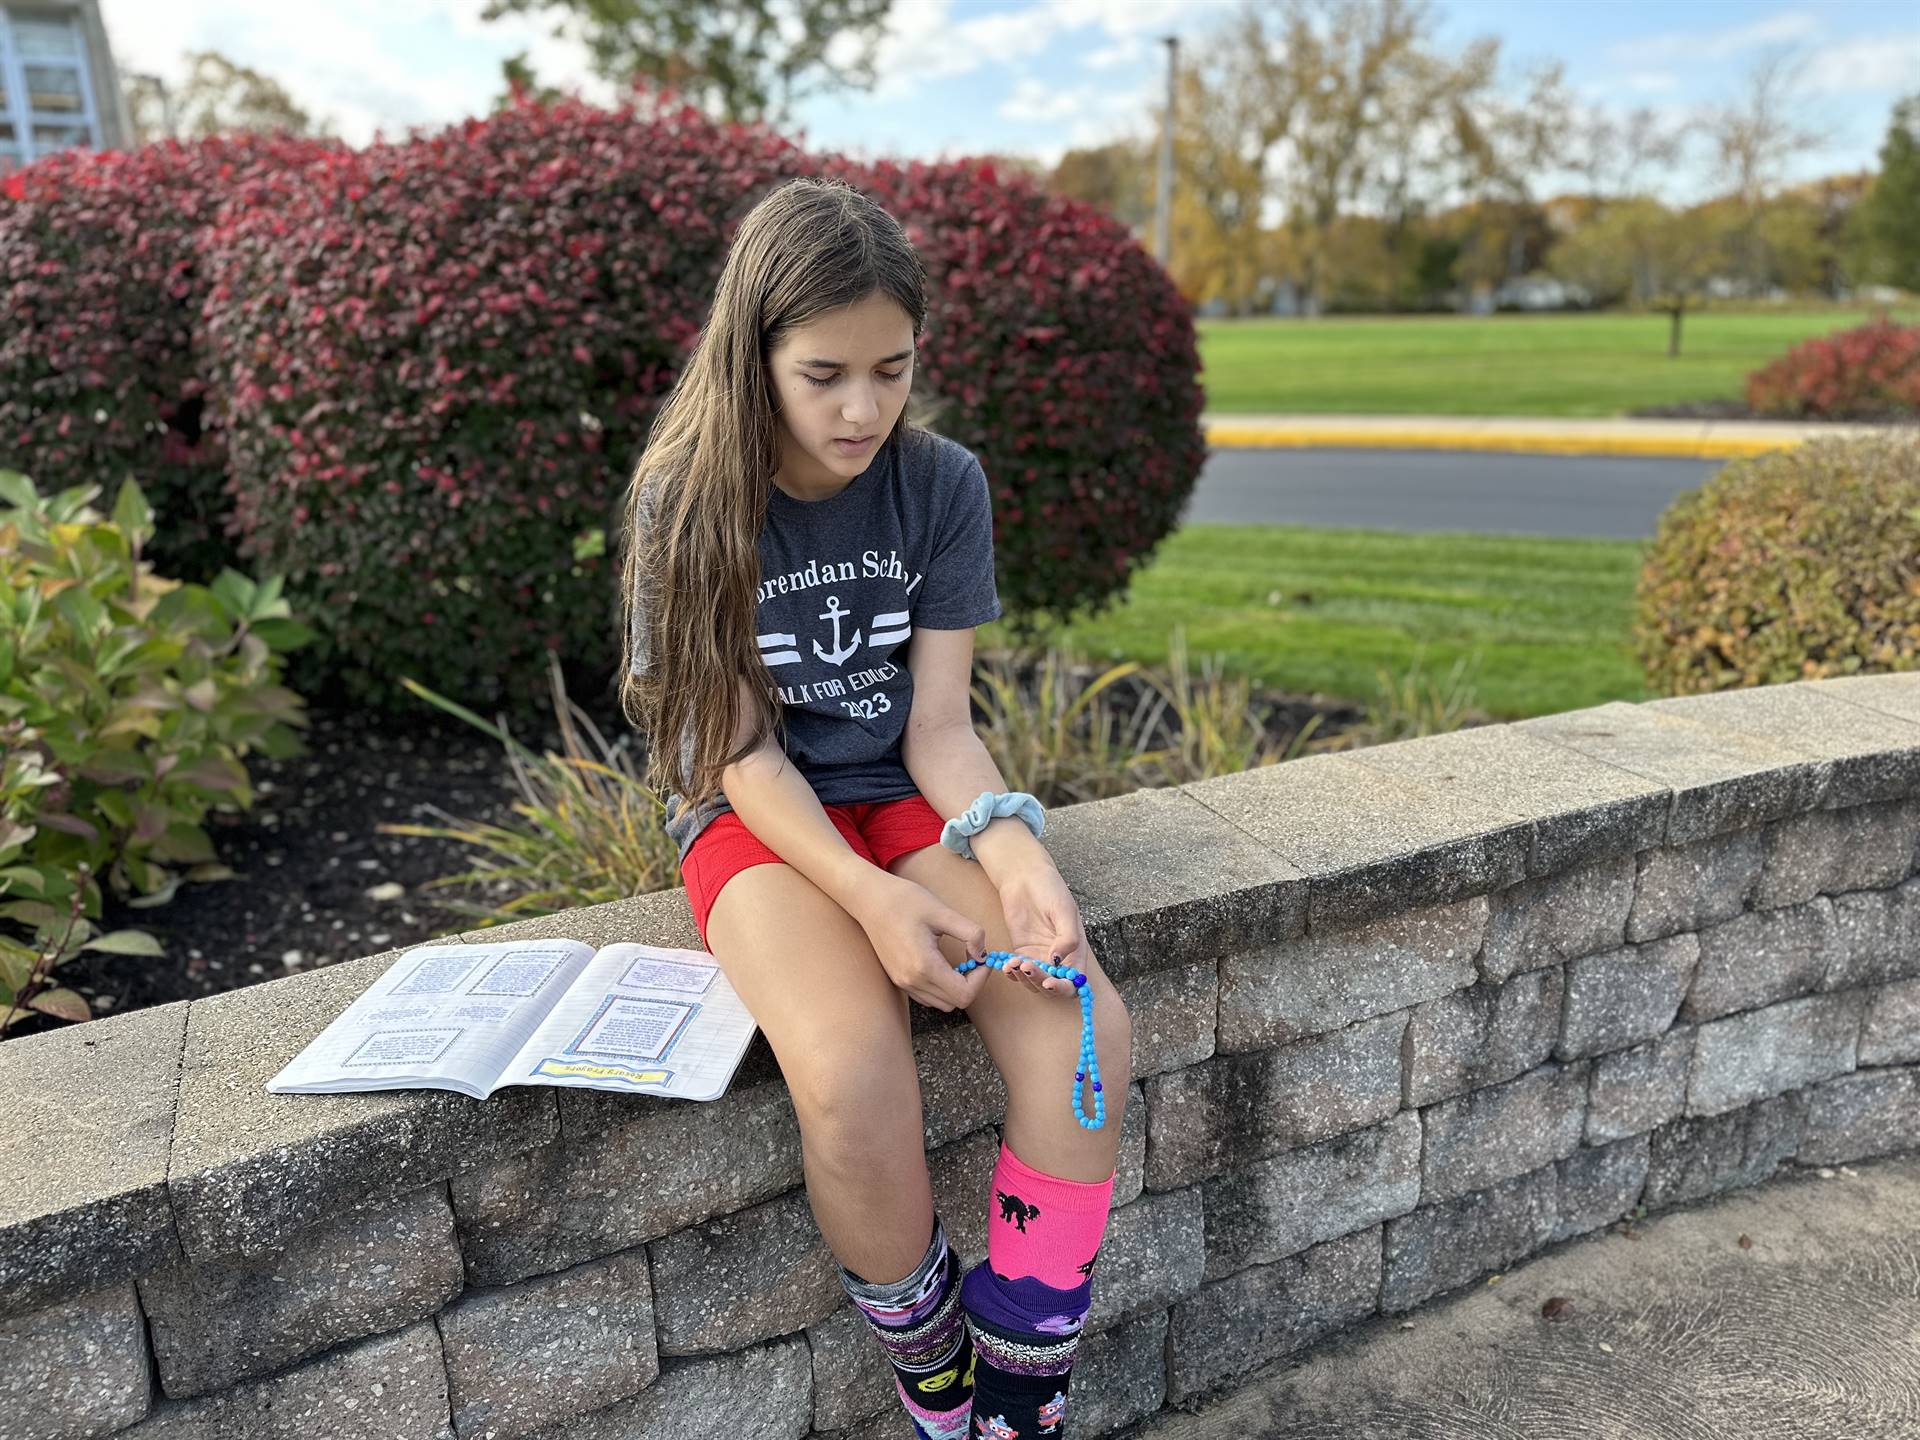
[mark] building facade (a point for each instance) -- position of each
(58, 84)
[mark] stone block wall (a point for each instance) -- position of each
(1402, 1016)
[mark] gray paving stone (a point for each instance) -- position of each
(1370, 843)
(250, 1168)
(1853, 1117)
(1282, 1205)
(1634, 1090)
(1233, 1109)
(1488, 1135)
(552, 1348)
(1762, 956)
(1291, 989)
(1863, 847)
(1879, 936)
(1721, 779)
(1872, 756)
(1696, 885)
(1891, 1032)
(83, 1167)
(742, 1278)
(1440, 1247)
(392, 1386)
(377, 1267)
(1582, 809)
(671, 1164)
(75, 1368)
(1599, 1185)
(1552, 918)
(1895, 694)
(1625, 996)
(1119, 1375)
(1173, 1014)
(1693, 1157)
(1758, 1053)
(1153, 1254)
(1266, 1311)
(756, 1393)
(1482, 1035)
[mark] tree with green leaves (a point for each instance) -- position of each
(738, 60)
(1639, 249)
(1891, 214)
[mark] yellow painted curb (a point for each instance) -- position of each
(1230, 436)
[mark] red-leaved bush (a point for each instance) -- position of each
(434, 361)
(1869, 372)
(1063, 356)
(101, 286)
(437, 360)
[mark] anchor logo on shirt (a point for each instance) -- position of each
(838, 655)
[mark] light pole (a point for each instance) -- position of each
(1163, 209)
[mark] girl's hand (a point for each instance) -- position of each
(904, 921)
(1042, 918)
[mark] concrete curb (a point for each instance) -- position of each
(1687, 439)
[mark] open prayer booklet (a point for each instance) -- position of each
(472, 1018)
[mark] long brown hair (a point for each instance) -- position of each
(698, 497)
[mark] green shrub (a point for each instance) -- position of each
(1790, 565)
(126, 703)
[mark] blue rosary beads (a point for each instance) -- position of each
(1089, 1061)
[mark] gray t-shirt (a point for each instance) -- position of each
(843, 583)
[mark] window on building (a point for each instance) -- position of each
(46, 102)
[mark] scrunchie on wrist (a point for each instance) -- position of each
(989, 807)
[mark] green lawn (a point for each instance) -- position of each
(1305, 609)
(1603, 364)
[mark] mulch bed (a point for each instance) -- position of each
(311, 868)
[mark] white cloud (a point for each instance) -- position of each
(361, 65)
(1884, 62)
(1716, 44)
(1129, 51)
(1078, 117)
(930, 39)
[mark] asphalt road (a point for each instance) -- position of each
(1589, 495)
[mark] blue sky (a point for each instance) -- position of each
(1037, 76)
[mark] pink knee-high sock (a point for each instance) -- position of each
(1045, 1225)
(1025, 1303)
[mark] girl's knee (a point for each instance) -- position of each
(858, 1085)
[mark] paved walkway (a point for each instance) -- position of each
(1699, 439)
(1812, 1333)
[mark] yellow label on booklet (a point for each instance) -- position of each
(601, 1071)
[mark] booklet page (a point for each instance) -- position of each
(645, 1018)
(448, 1015)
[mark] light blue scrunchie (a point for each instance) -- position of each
(987, 808)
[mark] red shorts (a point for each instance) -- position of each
(882, 831)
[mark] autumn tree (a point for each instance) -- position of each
(1231, 108)
(1755, 138)
(738, 60)
(218, 97)
(1621, 156)
(1118, 177)
(1644, 251)
(1318, 110)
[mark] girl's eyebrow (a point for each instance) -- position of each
(836, 365)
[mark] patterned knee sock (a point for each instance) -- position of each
(1025, 1303)
(919, 1323)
